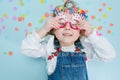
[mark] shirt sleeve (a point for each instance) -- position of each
(33, 46)
(98, 47)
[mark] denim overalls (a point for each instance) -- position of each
(70, 65)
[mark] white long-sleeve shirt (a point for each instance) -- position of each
(95, 46)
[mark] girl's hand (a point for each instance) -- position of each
(51, 23)
(85, 27)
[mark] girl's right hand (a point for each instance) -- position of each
(51, 23)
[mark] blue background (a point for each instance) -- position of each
(18, 17)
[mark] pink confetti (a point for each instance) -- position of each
(14, 8)
(14, 18)
(25, 30)
(1, 20)
(3, 27)
(51, 7)
(10, 0)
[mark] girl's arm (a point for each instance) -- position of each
(33, 46)
(98, 47)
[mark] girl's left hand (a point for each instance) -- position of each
(85, 27)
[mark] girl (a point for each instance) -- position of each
(67, 41)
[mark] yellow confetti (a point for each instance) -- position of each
(104, 15)
(109, 8)
(94, 28)
(21, 3)
(23, 15)
(4, 15)
(43, 17)
(41, 1)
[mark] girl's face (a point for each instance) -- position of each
(68, 32)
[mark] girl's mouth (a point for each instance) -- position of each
(67, 34)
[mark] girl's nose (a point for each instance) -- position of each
(67, 27)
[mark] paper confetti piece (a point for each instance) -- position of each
(94, 28)
(16, 29)
(37, 28)
(100, 9)
(109, 8)
(104, 15)
(25, 30)
(51, 7)
(5, 53)
(14, 18)
(46, 15)
(41, 1)
(20, 19)
(1, 20)
(10, 0)
(21, 3)
(4, 15)
(100, 27)
(10, 53)
(104, 4)
(3, 26)
(93, 17)
(23, 15)
(111, 24)
(29, 24)
(109, 31)
(14, 8)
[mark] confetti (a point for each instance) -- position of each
(21, 3)
(109, 31)
(51, 7)
(25, 30)
(104, 4)
(16, 29)
(23, 15)
(29, 24)
(100, 27)
(10, 0)
(14, 8)
(41, 1)
(93, 17)
(5, 53)
(3, 27)
(5, 15)
(14, 18)
(109, 8)
(46, 15)
(111, 24)
(100, 10)
(104, 15)
(10, 53)
(1, 20)
(20, 19)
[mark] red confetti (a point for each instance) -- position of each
(104, 4)
(92, 17)
(111, 24)
(16, 29)
(46, 15)
(10, 53)
(109, 31)
(20, 19)
(29, 24)
(100, 9)
(100, 27)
